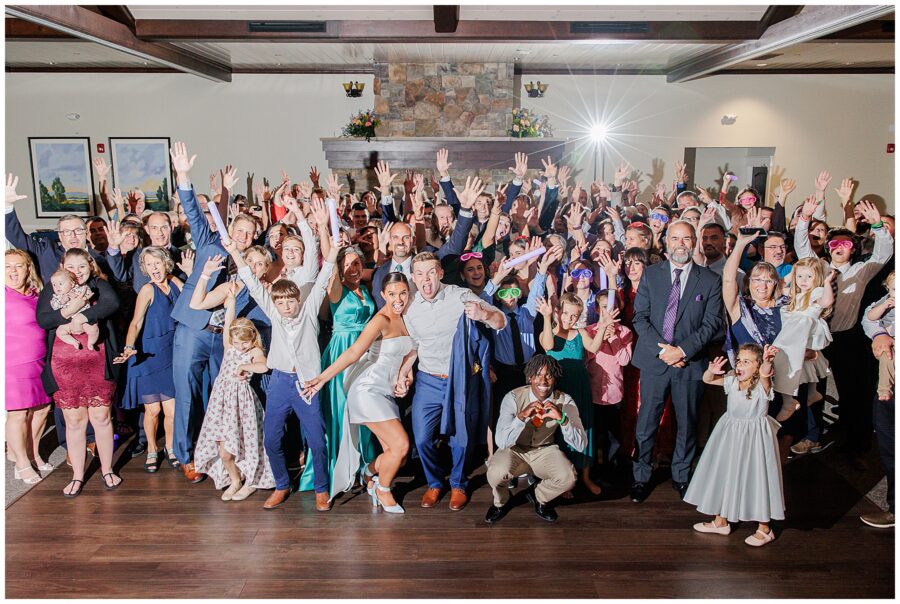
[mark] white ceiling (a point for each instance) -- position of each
(544, 55)
(467, 12)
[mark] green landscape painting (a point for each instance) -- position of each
(63, 182)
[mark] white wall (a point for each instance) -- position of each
(258, 123)
(841, 123)
(262, 123)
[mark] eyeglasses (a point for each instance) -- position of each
(70, 232)
(582, 273)
(747, 200)
(510, 292)
(761, 280)
(840, 243)
(775, 247)
(469, 255)
(660, 217)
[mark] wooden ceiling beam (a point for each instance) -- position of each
(85, 24)
(446, 18)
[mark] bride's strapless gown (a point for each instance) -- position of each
(370, 398)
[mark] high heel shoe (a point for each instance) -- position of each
(364, 477)
(390, 509)
(31, 479)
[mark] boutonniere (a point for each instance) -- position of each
(476, 368)
(699, 298)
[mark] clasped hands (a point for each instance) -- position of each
(671, 355)
(546, 410)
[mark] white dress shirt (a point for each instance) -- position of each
(685, 271)
(432, 325)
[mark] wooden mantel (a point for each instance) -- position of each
(466, 153)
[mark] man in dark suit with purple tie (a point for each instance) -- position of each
(677, 314)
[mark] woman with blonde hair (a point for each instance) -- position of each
(27, 404)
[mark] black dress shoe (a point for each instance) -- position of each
(543, 510)
(494, 514)
(680, 488)
(639, 491)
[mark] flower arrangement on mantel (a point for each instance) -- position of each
(362, 124)
(526, 124)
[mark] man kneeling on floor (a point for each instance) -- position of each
(529, 418)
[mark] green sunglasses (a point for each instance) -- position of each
(511, 292)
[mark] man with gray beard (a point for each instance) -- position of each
(677, 314)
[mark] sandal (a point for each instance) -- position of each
(152, 463)
(171, 459)
(76, 492)
(116, 485)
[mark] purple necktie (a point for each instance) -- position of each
(672, 308)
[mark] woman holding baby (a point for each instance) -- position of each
(82, 379)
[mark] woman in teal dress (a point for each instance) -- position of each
(351, 308)
(562, 341)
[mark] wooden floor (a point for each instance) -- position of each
(159, 536)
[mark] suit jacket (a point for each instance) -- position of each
(453, 247)
(466, 405)
(697, 324)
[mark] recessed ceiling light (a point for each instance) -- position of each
(145, 62)
(761, 64)
(849, 63)
(51, 62)
(522, 51)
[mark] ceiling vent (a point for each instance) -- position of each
(293, 27)
(609, 27)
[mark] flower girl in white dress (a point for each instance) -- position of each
(738, 477)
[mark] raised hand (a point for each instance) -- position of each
(409, 183)
(576, 192)
(102, 169)
(769, 353)
(11, 196)
(809, 207)
(500, 193)
(181, 162)
(306, 190)
(285, 179)
(550, 169)
(114, 234)
(610, 267)
(822, 181)
(442, 164)
(704, 195)
(320, 212)
(229, 177)
(474, 188)
(543, 307)
(334, 187)
(621, 173)
(521, 167)
(564, 173)
(314, 176)
(786, 186)
(717, 366)
(681, 171)
(435, 185)
(214, 187)
(869, 212)
(187, 262)
(754, 217)
(385, 178)
(575, 217)
(213, 265)
(846, 191)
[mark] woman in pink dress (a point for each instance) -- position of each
(27, 404)
(82, 382)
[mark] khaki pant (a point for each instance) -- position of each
(549, 464)
(885, 375)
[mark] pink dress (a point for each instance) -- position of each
(26, 349)
(606, 366)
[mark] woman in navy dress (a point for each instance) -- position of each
(150, 379)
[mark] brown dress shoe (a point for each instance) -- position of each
(277, 497)
(458, 499)
(322, 503)
(191, 474)
(431, 497)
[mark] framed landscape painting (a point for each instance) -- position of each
(63, 180)
(143, 163)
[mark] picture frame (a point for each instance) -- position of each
(62, 176)
(143, 162)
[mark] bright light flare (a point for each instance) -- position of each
(598, 133)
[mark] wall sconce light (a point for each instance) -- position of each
(354, 89)
(537, 91)
(728, 119)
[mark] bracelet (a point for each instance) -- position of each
(202, 276)
(878, 224)
(127, 347)
(563, 419)
(763, 375)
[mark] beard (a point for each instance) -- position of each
(680, 255)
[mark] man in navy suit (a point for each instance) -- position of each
(677, 314)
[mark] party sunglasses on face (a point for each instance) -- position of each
(747, 200)
(469, 255)
(840, 243)
(510, 292)
(582, 273)
(660, 217)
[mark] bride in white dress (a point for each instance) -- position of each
(376, 356)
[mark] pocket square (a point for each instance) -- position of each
(699, 298)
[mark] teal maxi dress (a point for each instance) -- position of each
(575, 383)
(349, 317)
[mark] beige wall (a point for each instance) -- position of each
(262, 123)
(841, 123)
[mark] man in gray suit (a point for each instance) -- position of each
(677, 314)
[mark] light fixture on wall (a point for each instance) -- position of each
(536, 91)
(73, 117)
(354, 89)
(728, 119)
